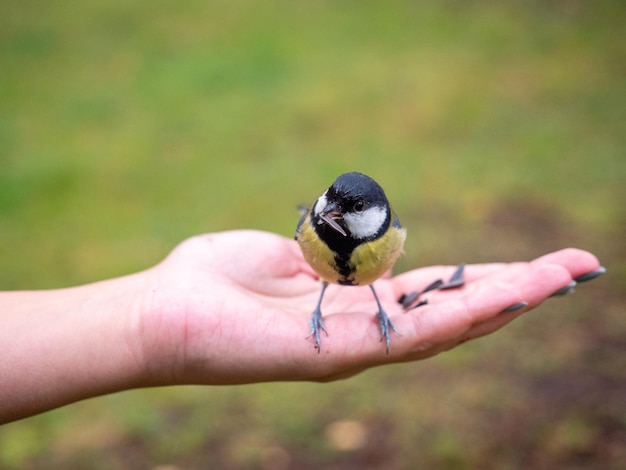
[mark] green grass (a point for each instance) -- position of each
(498, 130)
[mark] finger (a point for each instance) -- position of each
(542, 281)
(446, 319)
(577, 262)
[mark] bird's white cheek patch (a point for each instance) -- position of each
(321, 204)
(367, 223)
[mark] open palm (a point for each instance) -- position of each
(234, 307)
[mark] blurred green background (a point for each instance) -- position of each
(497, 128)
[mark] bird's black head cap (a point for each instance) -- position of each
(356, 188)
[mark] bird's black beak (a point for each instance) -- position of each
(330, 215)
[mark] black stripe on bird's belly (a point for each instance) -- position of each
(345, 269)
(342, 247)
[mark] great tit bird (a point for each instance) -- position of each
(350, 236)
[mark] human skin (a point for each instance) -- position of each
(216, 312)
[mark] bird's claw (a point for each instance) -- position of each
(317, 324)
(385, 324)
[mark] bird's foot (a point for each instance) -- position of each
(386, 326)
(317, 324)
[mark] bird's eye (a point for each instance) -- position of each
(359, 206)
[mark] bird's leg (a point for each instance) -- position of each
(384, 322)
(316, 321)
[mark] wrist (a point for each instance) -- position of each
(114, 310)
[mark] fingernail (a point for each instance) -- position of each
(515, 307)
(592, 275)
(568, 289)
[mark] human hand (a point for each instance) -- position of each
(234, 307)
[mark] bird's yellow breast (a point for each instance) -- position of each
(373, 259)
(368, 261)
(316, 252)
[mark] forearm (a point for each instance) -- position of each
(61, 346)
